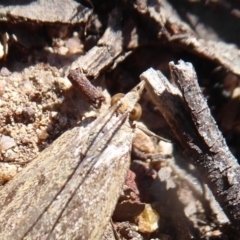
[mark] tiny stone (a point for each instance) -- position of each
(19, 111)
(27, 87)
(10, 155)
(2, 87)
(7, 171)
(29, 114)
(15, 84)
(5, 72)
(6, 143)
(74, 45)
(63, 50)
(165, 148)
(62, 121)
(42, 133)
(143, 142)
(5, 96)
(53, 114)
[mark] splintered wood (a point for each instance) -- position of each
(195, 129)
(64, 11)
(108, 48)
(70, 190)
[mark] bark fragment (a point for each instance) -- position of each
(109, 47)
(54, 11)
(169, 25)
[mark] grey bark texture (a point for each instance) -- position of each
(197, 133)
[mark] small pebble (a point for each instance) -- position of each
(7, 171)
(5, 72)
(42, 133)
(29, 114)
(2, 87)
(6, 143)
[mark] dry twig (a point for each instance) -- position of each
(196, 131)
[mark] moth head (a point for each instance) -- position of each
(135, 113)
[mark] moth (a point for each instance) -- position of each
(70, 190)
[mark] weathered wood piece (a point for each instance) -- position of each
(167, 24)
(197, 133)
(108, 48)
(54, 11)
(70, 190)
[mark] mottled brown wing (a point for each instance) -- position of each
(70, 190)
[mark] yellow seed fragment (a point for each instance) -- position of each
(148, 220)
